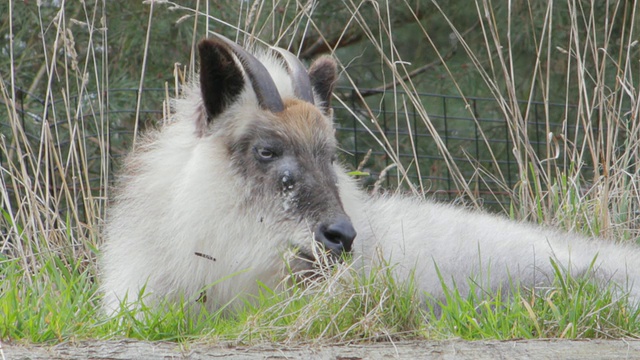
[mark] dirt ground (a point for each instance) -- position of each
(451, 349)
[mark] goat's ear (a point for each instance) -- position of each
(323, 74)
(221, 79)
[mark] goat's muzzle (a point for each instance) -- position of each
(336, 236)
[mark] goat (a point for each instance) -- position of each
(242, 184)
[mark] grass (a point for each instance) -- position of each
(61, 303)
(56, 167)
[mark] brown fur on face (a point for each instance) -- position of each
(305, 124)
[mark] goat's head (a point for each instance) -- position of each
(282, 149)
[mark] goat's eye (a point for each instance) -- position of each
(265, 153)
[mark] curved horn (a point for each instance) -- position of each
(263, 85)
(301, 82)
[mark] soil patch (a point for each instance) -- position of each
(450, 349)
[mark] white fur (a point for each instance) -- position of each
(422, 237)
(179, 195)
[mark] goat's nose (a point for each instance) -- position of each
(336, 236)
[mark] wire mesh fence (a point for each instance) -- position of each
(474, 131)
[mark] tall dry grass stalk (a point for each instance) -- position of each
(585, 180)
(56, 164)
(53, 148)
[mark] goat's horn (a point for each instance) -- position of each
(263, 85)
(301, 82)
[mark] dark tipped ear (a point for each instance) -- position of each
(221, 79)
(323, 74)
